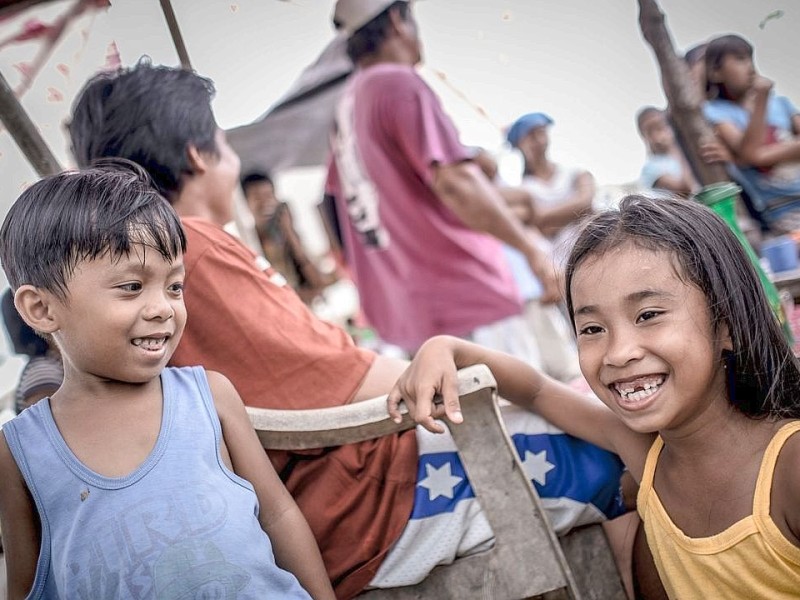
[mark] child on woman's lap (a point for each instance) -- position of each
(132, 479)
(699, 394)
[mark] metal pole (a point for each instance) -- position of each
(175, 31)
(25, 133)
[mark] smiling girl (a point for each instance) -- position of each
(700, 394)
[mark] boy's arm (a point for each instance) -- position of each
(294, 545)
(19, 520)
(433, 371)
(678, 185)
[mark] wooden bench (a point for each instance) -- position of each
(527, 559)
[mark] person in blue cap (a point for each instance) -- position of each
(550, 198)
(559, 195)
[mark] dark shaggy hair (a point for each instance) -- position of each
(254, 177)
(148, 115)
(369, 38)
(764, 375)
(75, 216)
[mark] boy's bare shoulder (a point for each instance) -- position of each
(13, 488)
(226, 398)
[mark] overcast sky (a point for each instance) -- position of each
(582, 61)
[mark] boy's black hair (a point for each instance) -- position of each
(254, 177)
(716, 50)
(148, 115)
(368, 39)
(764, 375)
(80, 215)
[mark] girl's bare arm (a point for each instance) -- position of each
(294, 545)
(433, 371)
(20, 524)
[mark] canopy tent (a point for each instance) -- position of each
(293, 133)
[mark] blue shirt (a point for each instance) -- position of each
(773, 191)
(179, 525)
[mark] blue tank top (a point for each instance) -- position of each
(181, 525)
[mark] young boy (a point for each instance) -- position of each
(665, 167)
(132, 479)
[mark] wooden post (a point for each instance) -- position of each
(175, 32)
(25, 133)
(683, 96)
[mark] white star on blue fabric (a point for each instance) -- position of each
(439, 482)
(536, 466)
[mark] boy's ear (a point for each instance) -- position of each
(198, 161)
(35, 306)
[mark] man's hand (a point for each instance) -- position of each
(429, 387)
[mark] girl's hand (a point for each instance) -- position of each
(762, 85)
(429, 386)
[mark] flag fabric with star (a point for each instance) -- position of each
(577, 482)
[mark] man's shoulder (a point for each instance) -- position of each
(202, 233)
(391, 76)
(203, 236)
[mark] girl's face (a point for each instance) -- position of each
(737, 73)
(645, 340)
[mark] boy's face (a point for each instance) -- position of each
(123, 316)
(262, 201)
(222, 179)
(657, 133)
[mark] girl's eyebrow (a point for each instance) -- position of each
(633, 298)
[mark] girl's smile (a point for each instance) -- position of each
(645, 339)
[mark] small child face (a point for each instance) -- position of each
(123, 316)
(645, 339)
(657, 133)
(262, 202)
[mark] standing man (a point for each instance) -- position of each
(422, 224)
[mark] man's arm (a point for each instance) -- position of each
(380, 378)
(552, 219)
(465, 190)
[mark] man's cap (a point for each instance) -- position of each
(351, 15)
(524, 124)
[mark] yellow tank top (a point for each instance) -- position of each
(751, 559)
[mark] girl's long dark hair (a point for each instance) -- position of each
(765, 375)
(716, 50)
